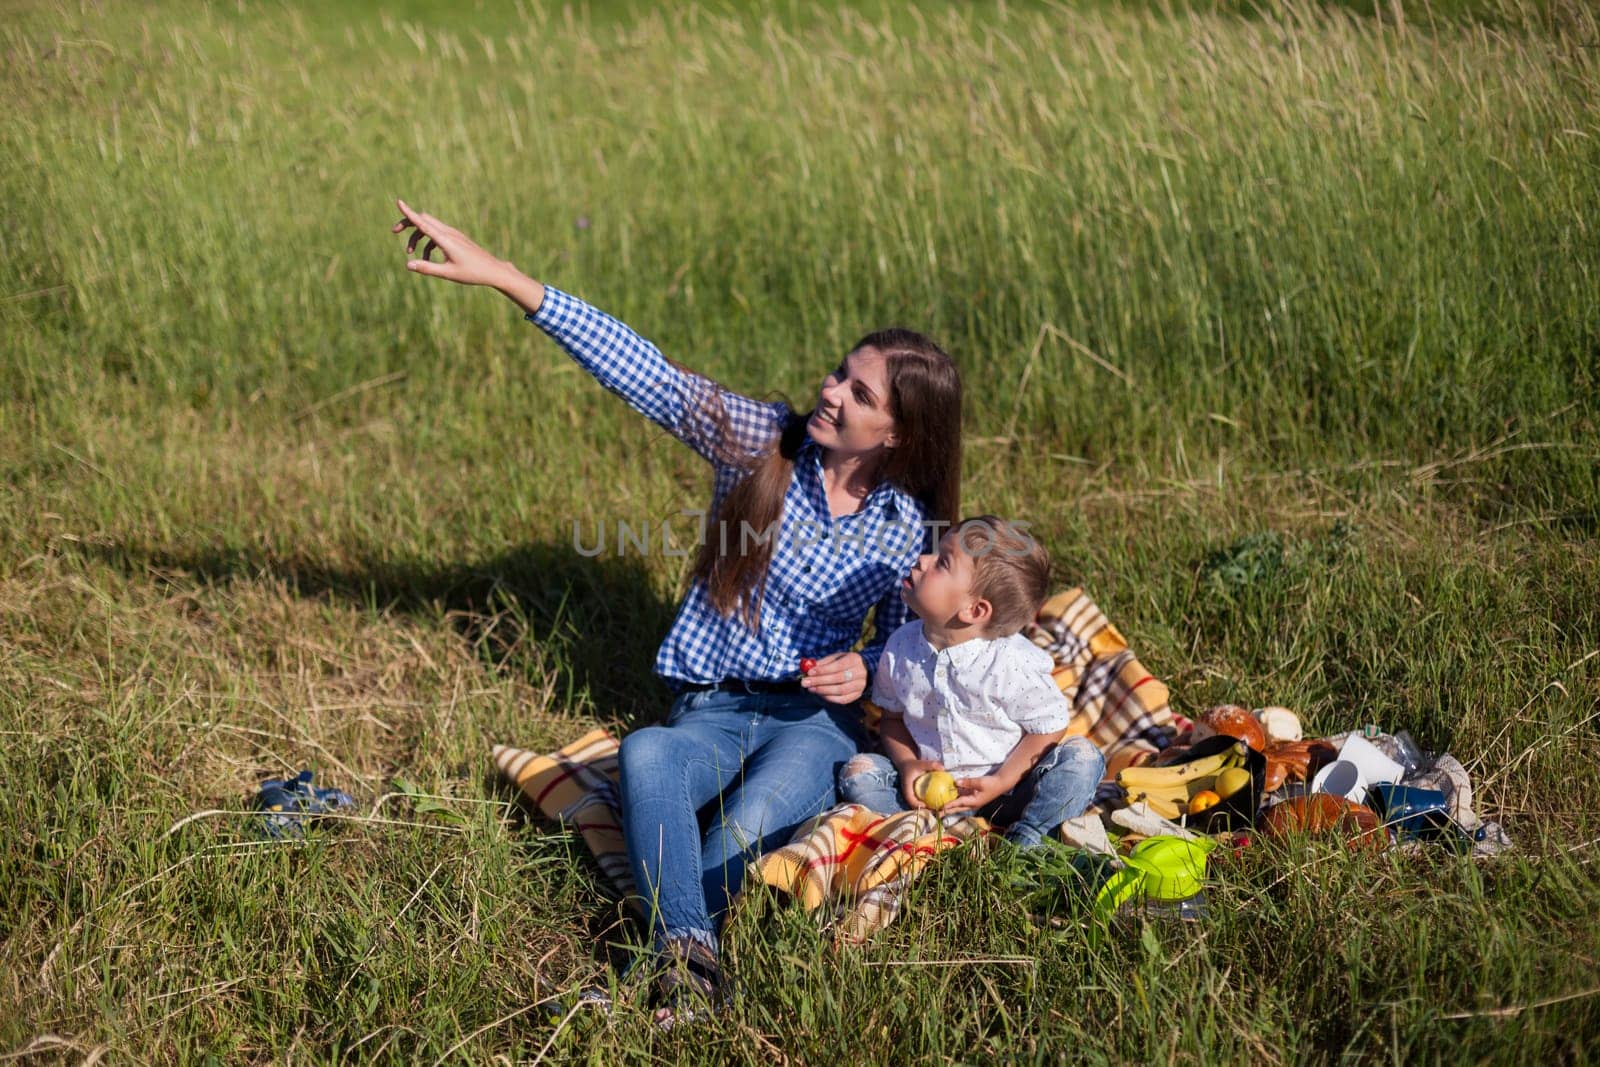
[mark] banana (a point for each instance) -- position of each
(1167, 789)
(1163, 806)
(1165, 784)
(1179, 798)
(1155, 778)
(1176, 793)
(1210, 766)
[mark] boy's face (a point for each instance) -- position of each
(940, 585)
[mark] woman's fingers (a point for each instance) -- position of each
(425, 225)
(436, 270)
(841, 692)
(821, 675)
(837, 679)
(832, 667)
(427, 251)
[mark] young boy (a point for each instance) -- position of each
(964, 692)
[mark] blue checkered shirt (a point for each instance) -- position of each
(826, 571)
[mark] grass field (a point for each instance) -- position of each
(1309, 276)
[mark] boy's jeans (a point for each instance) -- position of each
(1058, 788)
(730, 775)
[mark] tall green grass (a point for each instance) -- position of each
(1320, 277)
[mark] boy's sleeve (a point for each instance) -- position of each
(723, 426)
(1032, 699)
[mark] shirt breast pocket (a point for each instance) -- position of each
(816, 621)
(830, 608)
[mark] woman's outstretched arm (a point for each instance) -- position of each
(723, 426)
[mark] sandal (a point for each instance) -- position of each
(288, 804)
(689, 988)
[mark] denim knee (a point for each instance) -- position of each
(1073, 769)
(1077, 754)
(871, 781)
(864, 773)
(1091, 761)
(645, 750)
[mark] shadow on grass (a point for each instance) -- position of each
(593, 622)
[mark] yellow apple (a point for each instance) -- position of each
(935, 789)
(1231, 781)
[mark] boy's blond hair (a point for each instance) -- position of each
(1010, 569)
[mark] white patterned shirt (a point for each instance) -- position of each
(827, 571)
(970, 704)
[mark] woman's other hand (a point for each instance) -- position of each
(461, 259)
(839, 679)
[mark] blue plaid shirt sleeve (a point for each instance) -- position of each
(724, 427)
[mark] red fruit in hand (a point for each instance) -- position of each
(808, 665)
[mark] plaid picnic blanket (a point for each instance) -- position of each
(851, 866)
(849, 862)
(576, 785)
(1117, 704)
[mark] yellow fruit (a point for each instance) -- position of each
(1203, 800)
(1145, 777)
(1232, 780)
(936, 789)
(1164, 806)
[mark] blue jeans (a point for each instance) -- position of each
(729, 776)
(1059, 788)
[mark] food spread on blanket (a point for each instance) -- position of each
(1368, 788)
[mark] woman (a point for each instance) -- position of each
(815, 519)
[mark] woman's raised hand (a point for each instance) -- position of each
(463, 260)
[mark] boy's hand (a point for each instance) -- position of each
(976, 792)
(909, 773)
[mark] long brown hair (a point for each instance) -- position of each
(925, 402)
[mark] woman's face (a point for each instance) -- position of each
(852, 414)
